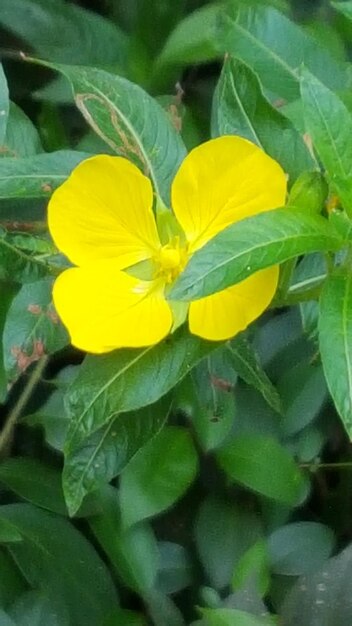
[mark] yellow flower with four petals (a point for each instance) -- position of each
(102, 219)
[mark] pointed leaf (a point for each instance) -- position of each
(22, 138)
(128, 379)
(18, 264)
(193, 40)
(36, 176)
(62, 32)
(130, 121)
(4, 105)
(34, 481)
(54, 556)
(335, 341)
(104, 454)
(329, 124)
(252, 244)
(246, 364)
(240, 108)
(153, 480)
(275, 48)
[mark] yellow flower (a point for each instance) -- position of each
(101, 218)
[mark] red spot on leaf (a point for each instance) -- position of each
(46, 187)
(221, 383)
(35, 309)
(23, 359)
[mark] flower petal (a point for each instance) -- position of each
(104, 210)
(224, 314)
(104, 308)
(221, 182)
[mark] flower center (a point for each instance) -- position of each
(171, 260)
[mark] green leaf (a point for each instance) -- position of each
(253, 569)
(57, 92)
(22, 138)
(36, 176)
(175, 568)
(132, 552)
(239, 108)
(193, 40)
(32, 328)
(4, 105)
(207, 398)
(12, 583)
(59, 31)
(51, 415)
(344, 7)
(264, 466)
(128, 379)
(153, 480)
(7, 292)
(309, 273)
(104, 454)
(300, 548)
(329, 124)
(163, 610)
(308, 443)
(5, 619)
(275, 48)
(130, 121)
(335, 341)
(248, 367)
(224, 531)
(146, 15)
(57, 558)
(303, 392)
(36, 608)
(8, 533)
(34, 481)
(20, 265)
(233, 617)
(252, 244)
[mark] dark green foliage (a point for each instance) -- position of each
(191, 482)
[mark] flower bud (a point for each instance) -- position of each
(309, 193)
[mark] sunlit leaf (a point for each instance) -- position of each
(250, 245)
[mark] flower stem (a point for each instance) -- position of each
(33, 380)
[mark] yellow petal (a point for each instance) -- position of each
(224, 314)
(104, 210)
(221, 182)
(104, 308)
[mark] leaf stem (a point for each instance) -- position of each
(326, 466)
(33, 380)
(297, 297)
(286, 272)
